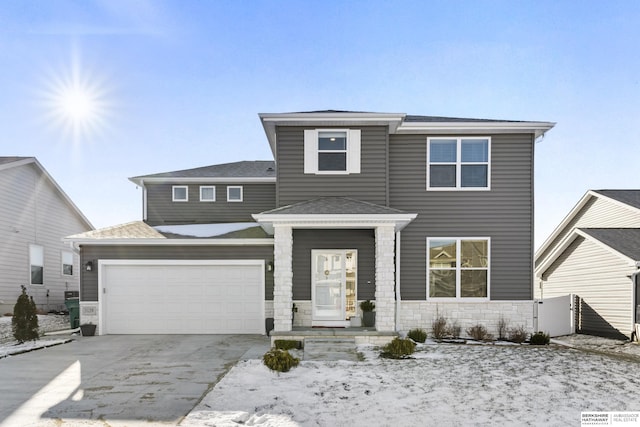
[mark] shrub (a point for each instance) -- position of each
(399, 348)
(367, 305)
(503, 328)
(279, 360)
(453, 330)
(539, 338)
(24, 322)
(418, 335)
(518, 334)
(479, 333)
(288, 344)
(439, 327)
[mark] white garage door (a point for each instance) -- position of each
(182, 297)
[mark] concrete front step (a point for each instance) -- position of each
(330, 349)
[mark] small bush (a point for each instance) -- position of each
(454, 330)
(479, 333)
(418, 335)
(24, 323)
(288, 344)
(367, 305)
(439, 328)
(539, 338)
(503, 328)
(279, 360)
(518, 334)
(399, 348)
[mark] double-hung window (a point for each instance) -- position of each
(458, 268)
(459, 163)
(331, 151)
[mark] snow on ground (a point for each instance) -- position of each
(444, 385)
(46, 323)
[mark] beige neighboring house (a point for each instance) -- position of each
(35, 214)
(595, 254)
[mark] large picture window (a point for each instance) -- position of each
(36, 261)
(458, 163)
(458, 268)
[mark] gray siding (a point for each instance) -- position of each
(294, 185)
(32, 211)
(601, 281)
(504, 214)
(89, 283)
(306, 240)
(596, 213)
(162, 210)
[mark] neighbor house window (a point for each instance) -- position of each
(458, 163)
(36, 261)
(207, 194)
(332, 151)
(458, 268)
(180, 193)
(234, 194)
(67, 263)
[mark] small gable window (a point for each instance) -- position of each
(458, 163)
(331, 151)
(234, 193)
(180, 193)
(207, 193)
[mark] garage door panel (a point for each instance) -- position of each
(183, 299)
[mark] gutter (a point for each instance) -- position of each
(398, 297)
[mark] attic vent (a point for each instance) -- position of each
(269, 169)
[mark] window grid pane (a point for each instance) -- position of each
(332, 161)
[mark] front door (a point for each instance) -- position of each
(334, 281)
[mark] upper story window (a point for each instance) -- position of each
(458, 163)
(234, 193)
(36, 261)
(180, 193)
(67, 263)
(331, 151)
(458, 268)
(207, 193)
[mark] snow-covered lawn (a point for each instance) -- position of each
(445, 385)
(46, 323)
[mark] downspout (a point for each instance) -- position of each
(144, 200)
(398, 298)
(634, 306)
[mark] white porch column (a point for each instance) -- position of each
(385, 278)
(282, 278)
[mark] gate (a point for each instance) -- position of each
(555, 316)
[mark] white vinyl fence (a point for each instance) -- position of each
(555, 315)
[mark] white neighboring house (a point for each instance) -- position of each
(595, 254)
(35, 214)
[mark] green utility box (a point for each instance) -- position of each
(73, 306)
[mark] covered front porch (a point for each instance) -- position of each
(303, 282)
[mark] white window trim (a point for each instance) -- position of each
(229, 187)
(173, 193)
(62, 263)
(459, 164)
(458, 268)
(213, 187)
(31, 264)
(311, 150)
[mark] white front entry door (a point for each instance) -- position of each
(333, 287)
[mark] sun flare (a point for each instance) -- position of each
(77, 104)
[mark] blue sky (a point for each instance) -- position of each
(179, 84)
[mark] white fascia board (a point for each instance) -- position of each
(467, 128)
(630, 261)
(171, 242)
(204, 180)
(271, 120)
(563, 224)
(334, 221)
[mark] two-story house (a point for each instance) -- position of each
(35, 215)
(426, 216)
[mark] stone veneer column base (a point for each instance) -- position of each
(90, 313)
(421, 314)
(385, 279)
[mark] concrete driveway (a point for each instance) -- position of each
(118, 380)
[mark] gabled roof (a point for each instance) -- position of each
(629, 198)
(399, 123)
(333, 206)
(245, 171)
(9, 162)
(625, 241)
